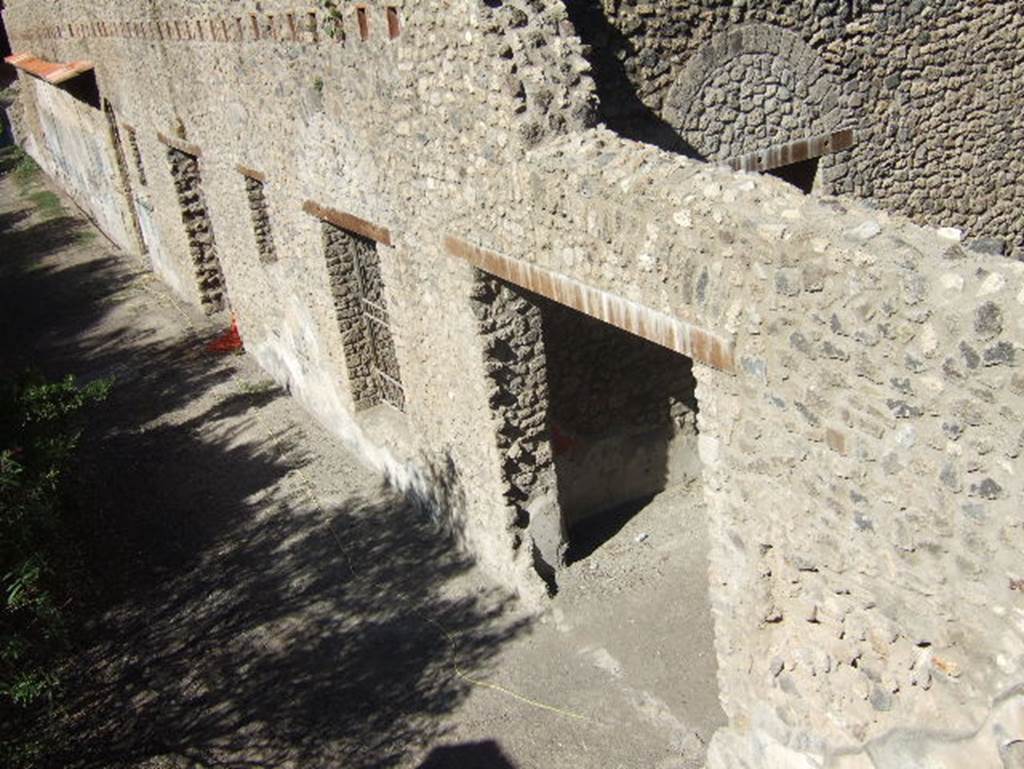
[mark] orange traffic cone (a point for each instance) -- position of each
(229, 341)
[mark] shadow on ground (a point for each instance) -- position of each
(230, 619)
(469, 755)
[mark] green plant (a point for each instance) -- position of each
(47, 202)
(39, 434)
(332, 19)
(11, 158)
(259, 387)
(25, 169)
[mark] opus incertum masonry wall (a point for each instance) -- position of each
(453, 265)
(198, 227)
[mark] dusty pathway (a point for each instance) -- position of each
(263, 602)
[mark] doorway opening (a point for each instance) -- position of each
(622, 417)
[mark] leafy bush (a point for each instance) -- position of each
(15, 161)
(39, 433)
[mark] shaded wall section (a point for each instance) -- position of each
(622, 414)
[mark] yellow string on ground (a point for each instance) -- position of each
(452, 643)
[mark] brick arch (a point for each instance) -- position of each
(752, 87)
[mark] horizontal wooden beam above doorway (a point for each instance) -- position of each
(686, 338)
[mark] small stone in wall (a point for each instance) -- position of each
(865, 231)
(999, 354)
(903, 410)
(992, 284)
(949, 477)
(991, 246)
(970, 356)
(988, 320)
(880, 699)
(787, 282)
(986, 489)
(947, 666)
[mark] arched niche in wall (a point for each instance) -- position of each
(751, 88)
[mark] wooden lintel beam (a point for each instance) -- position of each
(179, 144)
(678, 335)
(349, 222)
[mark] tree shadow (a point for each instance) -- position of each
(253, 629)
(229, 618)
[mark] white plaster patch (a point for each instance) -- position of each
(292, 356)
(646, 262)
(865, 230)
(682, 218)
(950, 233)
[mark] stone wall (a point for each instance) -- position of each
(927, 86)
(195, 216)
(354, 270)
(861, 461)
(511, 324)
(136, 155)
(69, 139)
(858, 376)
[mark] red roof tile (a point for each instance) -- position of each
(51, 72)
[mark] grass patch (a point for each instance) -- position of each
(25, 171)
(84, 235)
(258, 387)
(42, 566)
(14, 161)
(47, 203)
(10, 157)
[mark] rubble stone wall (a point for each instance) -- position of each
(858, 376)
(861, 463)
(202, 245)
(929, 88)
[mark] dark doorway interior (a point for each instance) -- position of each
(84, 88)
(622, 419)
(801, 175)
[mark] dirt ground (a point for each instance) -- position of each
(262, 601)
